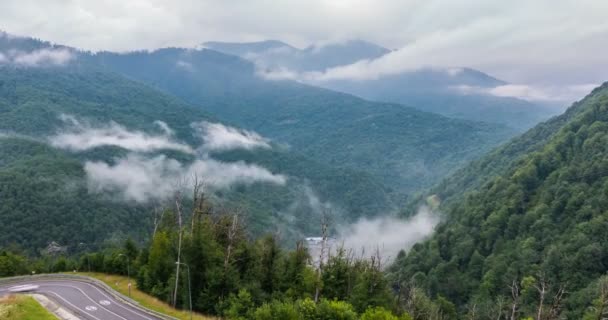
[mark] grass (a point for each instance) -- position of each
(19, 307)
(120, 284)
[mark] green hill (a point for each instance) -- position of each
(539, 212)
(405, 148)
(45, 188)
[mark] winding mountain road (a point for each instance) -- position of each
(84, 299)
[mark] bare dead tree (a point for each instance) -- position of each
(556, 306)
(499, 307)
(324, 233)
(515, 293)
(231, 236)
(541, 286)
(472, 312)
(158, 218)
(350, 258)
(376, 265)
(409, 297)
(602, 308)
(200, 206)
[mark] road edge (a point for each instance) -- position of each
(54, 308)
(117, 295)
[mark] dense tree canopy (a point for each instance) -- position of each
(540, 223)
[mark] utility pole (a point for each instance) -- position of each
(179, 244)
(189, 285)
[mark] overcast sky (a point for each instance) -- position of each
(540, 42)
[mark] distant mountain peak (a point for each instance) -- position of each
(244, 48)
(350, 44)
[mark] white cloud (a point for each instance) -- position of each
(184, 65)
(43, 57)
(37, 58)
(219, 137)
(81, 135)
(566, 93)
(164, 127)
(389, 234)
(519, 41)
(142, 179)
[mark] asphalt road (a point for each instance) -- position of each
(83, 299)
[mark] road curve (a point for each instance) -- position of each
(84, 299)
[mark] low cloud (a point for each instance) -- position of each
(218, 137)
(142, 179)
(37, 58)
(567, 93)
(184, 65)
(81, 135)
(388, 234)
(164, 127)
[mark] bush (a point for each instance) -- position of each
(378, 313)
(276, 310)
(335, 310)
(240, 306)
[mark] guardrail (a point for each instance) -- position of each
(62, 276)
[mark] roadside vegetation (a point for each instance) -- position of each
(20, 307)
(121, 284)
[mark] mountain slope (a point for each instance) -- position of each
(462, 93)
(452, 92)
(336, 129)
(47, 186)
(499, 161)
(543, 219)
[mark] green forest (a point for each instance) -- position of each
(524, 222)
(541, 224)
(239, 277)
(48, 185)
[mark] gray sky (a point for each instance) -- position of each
(547, 43)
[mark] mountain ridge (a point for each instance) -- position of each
(539, 218)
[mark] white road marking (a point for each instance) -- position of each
(105, 302)
(86, 295)
(23, 288)
(91, 308)
(118, 304)
(73, 306)
(133, 310)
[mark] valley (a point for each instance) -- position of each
(310, 160)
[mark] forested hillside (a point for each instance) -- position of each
(498, 161)
(405, 148)
(534, 235)
(461, 93)
(453, 91)
(47, 187)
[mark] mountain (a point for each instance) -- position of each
(273, 54)
(462, 93)
(248, 48)
(319, 148)
(532, 213)
(404, 147)
(46, 186)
